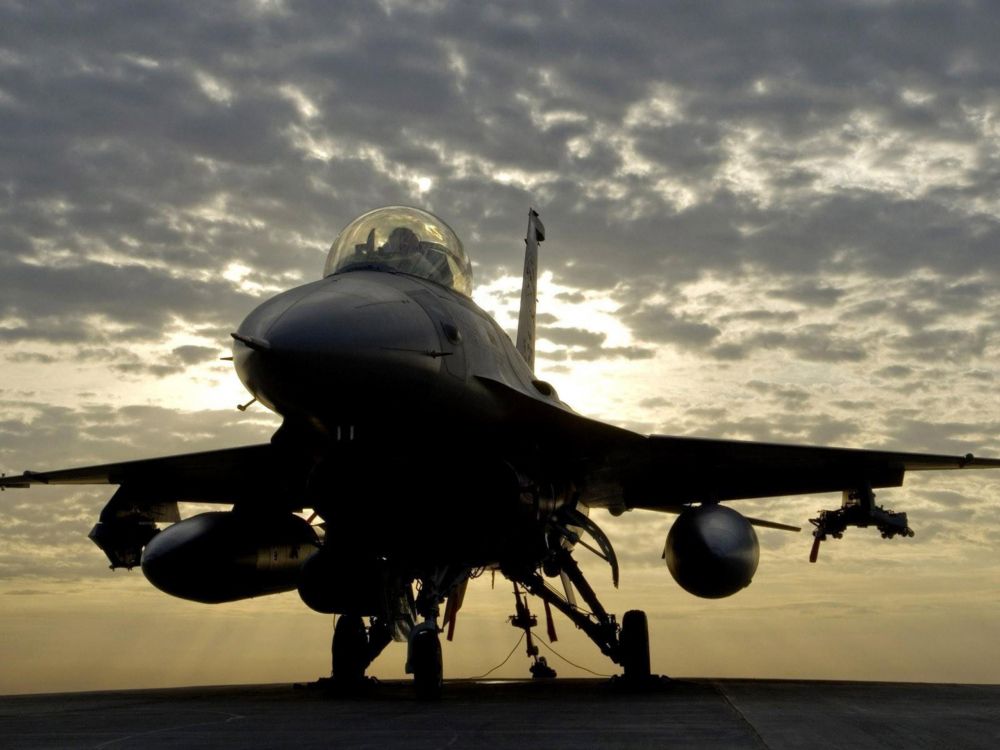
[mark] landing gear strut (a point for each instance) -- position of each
(524, 620)
(423, 655)
(626, 645)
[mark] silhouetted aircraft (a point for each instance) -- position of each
(418, 434)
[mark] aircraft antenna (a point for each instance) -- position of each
(529, 289)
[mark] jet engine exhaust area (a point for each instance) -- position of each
(712, 551)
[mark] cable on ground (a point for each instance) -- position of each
(507, 659)
(548, 646)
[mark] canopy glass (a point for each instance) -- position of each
(406, 240)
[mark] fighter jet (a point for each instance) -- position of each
(426, 451)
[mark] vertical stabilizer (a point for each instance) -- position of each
(529, 289)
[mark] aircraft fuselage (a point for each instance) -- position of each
(381, 353)
(406, 384)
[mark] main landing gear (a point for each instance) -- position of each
(633, 645)
(524, 620)
(627, 644)
(355, 647)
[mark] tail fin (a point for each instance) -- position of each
(529, 289)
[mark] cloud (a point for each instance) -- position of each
(597, 352)
(26, 356)
(792, 396)
(190, 354)
(631, 353)
(707, 162)
(810, 343)
(941, 436)
(943, 343)
(657, 323)
(809, 293)
(761, 316)
(787, 427)
(571, 336)
(75, 303)
(895, 371)
(574, 298)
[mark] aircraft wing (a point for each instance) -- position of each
(220, 476)
(257, 477)
(624, 469)
(669, 471)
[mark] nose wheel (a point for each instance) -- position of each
(423, 655)
(425, 662)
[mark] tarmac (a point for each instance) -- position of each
(555, 714)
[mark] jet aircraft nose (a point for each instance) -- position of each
(327, 345)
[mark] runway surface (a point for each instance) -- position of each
(514, 714)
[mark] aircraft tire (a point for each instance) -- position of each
(634, 641)
(427, 665)
(350, 649)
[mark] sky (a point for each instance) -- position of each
(772, 221)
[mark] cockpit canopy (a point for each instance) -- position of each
(403, 239)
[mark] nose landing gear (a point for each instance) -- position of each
(424, 660)
(423, 655)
